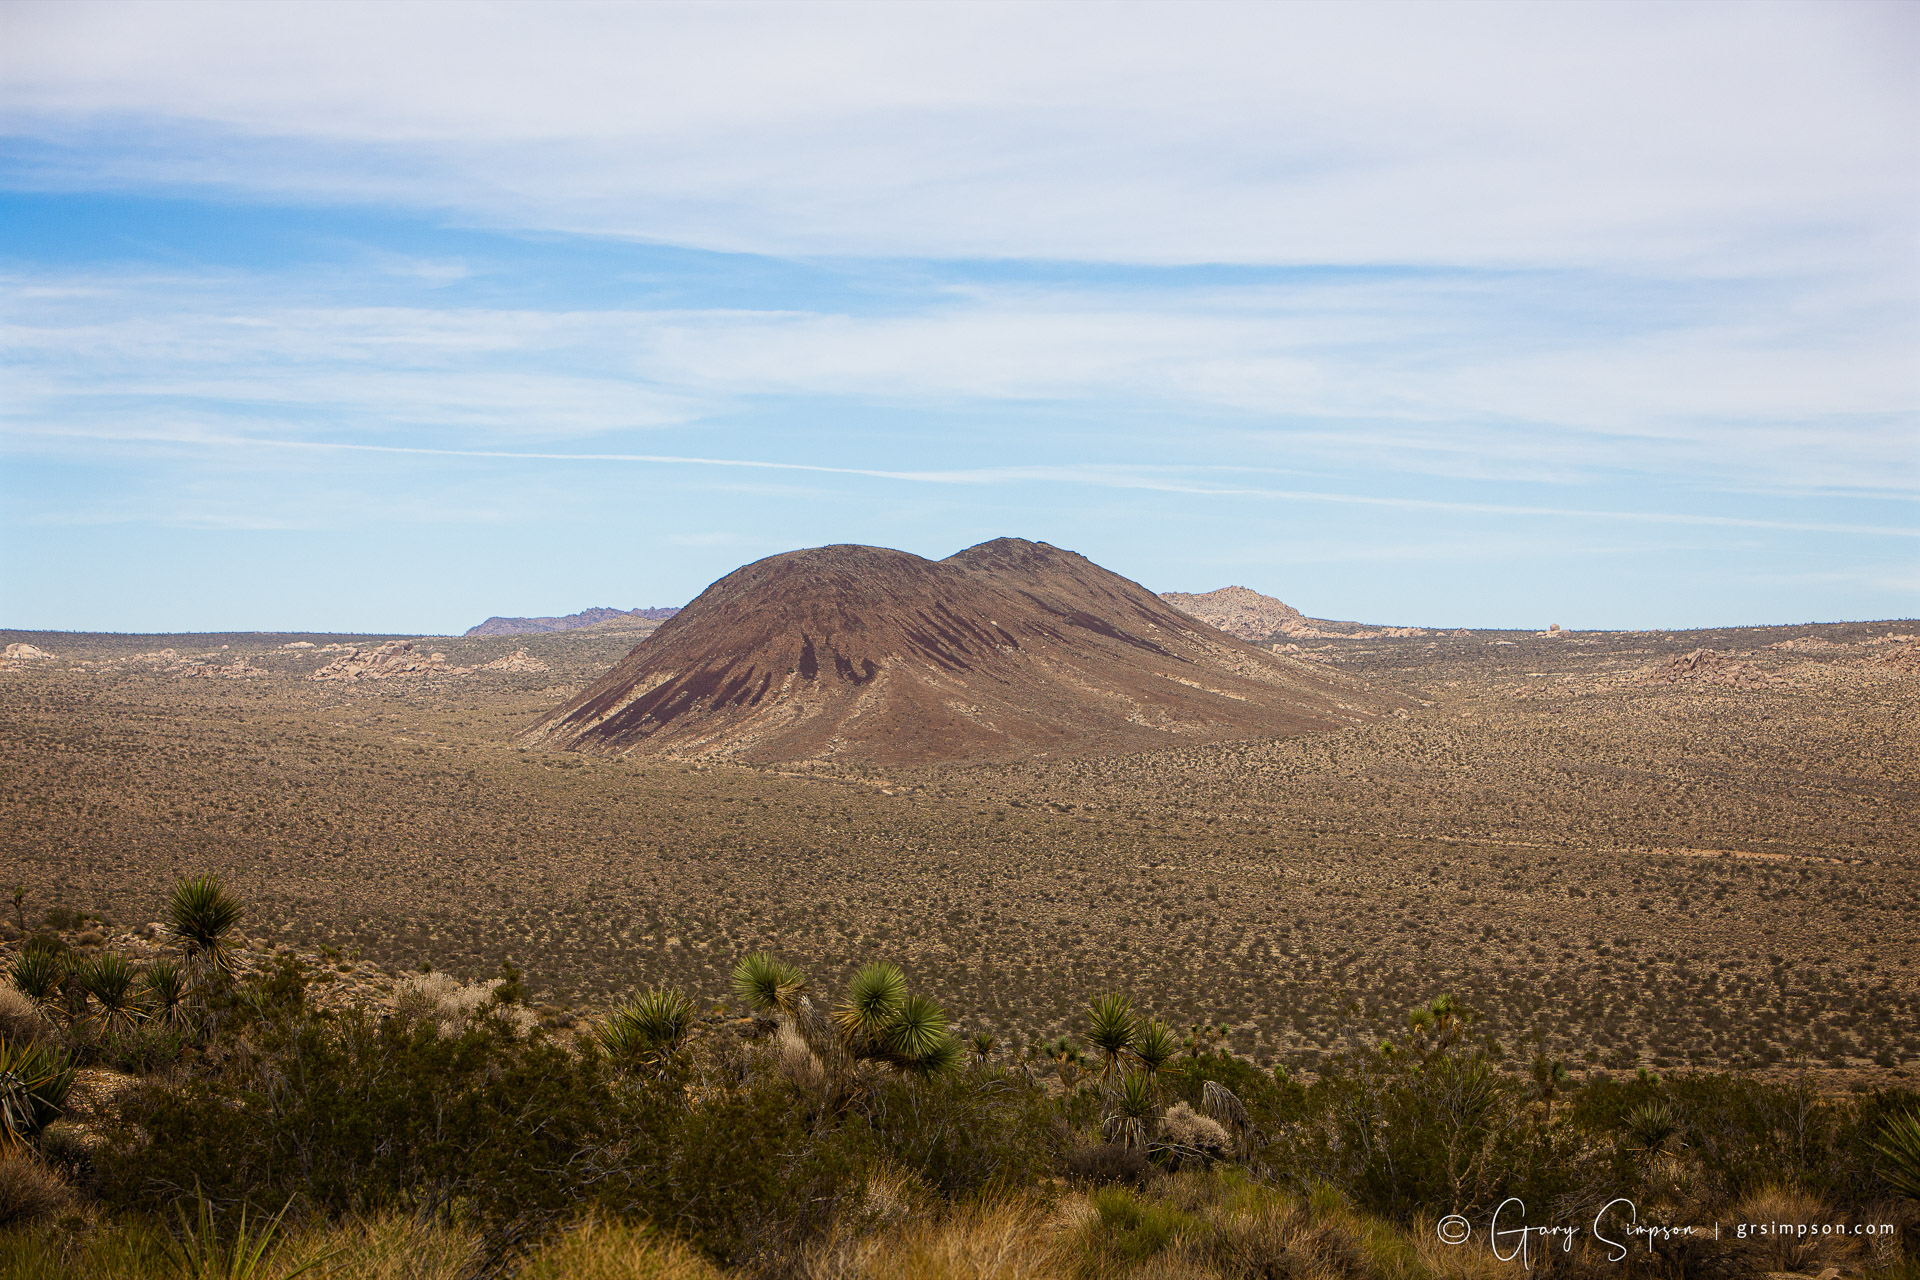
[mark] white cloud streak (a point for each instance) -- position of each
(1705, 137)
(1096, 475)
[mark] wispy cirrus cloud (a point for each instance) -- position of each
(1168, 283)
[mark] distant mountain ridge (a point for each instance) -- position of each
(498, 626)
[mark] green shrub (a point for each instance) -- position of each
(963, 1133)
(356, 1117)
(1131, 1228)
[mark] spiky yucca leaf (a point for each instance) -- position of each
(166, 989)
(982, 1044)
(1899, 1147)
(1130, 1110)
(942, 1057)
(203, 915)
(199, 1253)
(916, 1031)
(1155, 1045)
(110, 979)
(1110, 1030)
(766, 984)
(34, 1083)
(1224, 1105)
(874, 999)
(646, 1027)
(39, 975)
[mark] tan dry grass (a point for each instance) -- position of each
(29, 1191)
(597, 1249)
(1780, 1251)
(1008, 1240)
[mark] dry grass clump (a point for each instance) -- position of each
(1006, 1240)
(597, 1249)
(1782, 1211)
(30, 1191)
(20, 1017)
(1186, 1127)
(443, 1000)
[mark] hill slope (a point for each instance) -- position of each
(1007, 650)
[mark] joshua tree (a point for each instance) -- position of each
(878, 1020)
(1224, 1105)
(1439, 1025)
(1549, 1077)
(874, 1000)
(1111, 1028)
(203, 915)
(1068, 1061)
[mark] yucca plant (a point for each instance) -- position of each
(646, 1028)
(875, 997)
(941, 1057)
(1130, 1109)
(203, 915)
(200, 1253)
(40, 975)
(165, 988)
(1652, 1128)
(1899, 1148)
(1110, 1031)
(981, 1043)
(110, 979)
(34, 1083)
(917, 1033)
(766, 984)
(1155, 1046)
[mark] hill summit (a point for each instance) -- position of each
(1007, 650)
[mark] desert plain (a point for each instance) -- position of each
(1623, 848)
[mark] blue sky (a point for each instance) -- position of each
(394, 317)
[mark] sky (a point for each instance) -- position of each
(393, 317)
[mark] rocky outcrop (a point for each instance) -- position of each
(394, 658)
(1238, 611)
(400, 658)
(515, 661)
(1704, 666)
(1245, 614)
(20, 655)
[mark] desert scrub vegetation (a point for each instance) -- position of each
(851, 1136)
(1627, 875)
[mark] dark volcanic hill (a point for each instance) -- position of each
(1009, 649)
